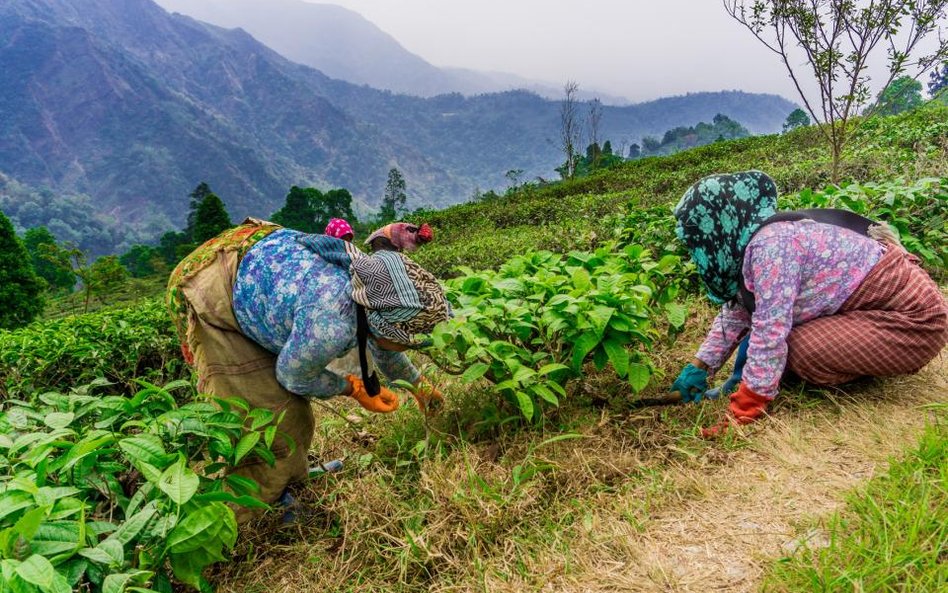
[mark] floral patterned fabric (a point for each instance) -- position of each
(798, 271)
(717, 217)
(299, 306)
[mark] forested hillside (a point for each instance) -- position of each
(124, 103)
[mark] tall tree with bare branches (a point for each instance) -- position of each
(571, 126)
(837, 38)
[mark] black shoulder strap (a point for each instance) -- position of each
(841, 218)
(371, 382)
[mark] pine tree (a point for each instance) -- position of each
(197, 196)
(938, 80)
(210, 219)
(393, 200)
(39, 243)
(21, 290)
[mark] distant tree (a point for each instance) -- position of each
(298, 211)
(170, 245)
(594, 122)
(105, 275)
(938, 80)
(210, 219)
(21, 290)
(837, 38)
(903, 94)
(55, 275)
(797, 119)
(393, 200)
(142, 261)
(650, 144)
(607, 148)
(571, 128)
(635, 151)
(514, 177)
(337, 203)
(197, 196)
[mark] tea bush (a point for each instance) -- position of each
(532, 325)
(112, 493)
(119, 344)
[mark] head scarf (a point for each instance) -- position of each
(403, 236)
(401, 298)
(339, 228)
(716, 218)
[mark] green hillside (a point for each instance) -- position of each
(580, 214)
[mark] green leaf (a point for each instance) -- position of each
(639, 375)
(245, 445)
(30, 522)
(599, 316)
(618, 355)
(116, 583)
(147, 448)
(552, 368)
(133, 526)
(583, 346)
(581, 279)
(474, 372)
(545, 393)
(179, 482)
(269, 434)
(676, 314)
(57, 420)
(210, 524)
(526, 404)
(38, 571)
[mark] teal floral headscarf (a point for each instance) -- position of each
(717, 217)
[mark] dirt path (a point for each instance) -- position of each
(733, 519)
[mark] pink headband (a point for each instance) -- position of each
(338, 228)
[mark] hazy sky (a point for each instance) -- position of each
(639, 49)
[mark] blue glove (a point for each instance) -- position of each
(691, 383)
(730, 386)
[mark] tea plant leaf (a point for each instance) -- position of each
(474, 372)
(583, 346)
(618, 356)
(525, 404)
(117, 583)
(147, 448)
(57, 420)
(552, 368)
(179, 482)
(245, 445)
(639, 375)
(133, 525)
(38, 571)
(676, 314)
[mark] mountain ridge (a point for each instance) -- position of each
(122, 101)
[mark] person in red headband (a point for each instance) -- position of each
(340, 229)
(400, 236)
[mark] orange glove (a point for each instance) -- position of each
(745, 407)
(429, 399)
(384, 402)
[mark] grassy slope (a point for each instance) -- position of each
(599, 498)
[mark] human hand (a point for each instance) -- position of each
(745, 407)
(691, 383)
(386, 401)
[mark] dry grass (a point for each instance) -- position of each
(627, 501)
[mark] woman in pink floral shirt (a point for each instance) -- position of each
(825, 302)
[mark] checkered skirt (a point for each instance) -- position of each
(893, 324)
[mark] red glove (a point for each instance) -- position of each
(745, 407)
(384, 402)
(429, 399)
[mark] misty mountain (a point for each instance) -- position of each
(344, 45)
(130, 105)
